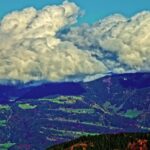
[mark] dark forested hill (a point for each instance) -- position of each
(130, 141)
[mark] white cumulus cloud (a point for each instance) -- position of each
(121, 44)
(30, 50)
(33, 45)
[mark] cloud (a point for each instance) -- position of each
(30, 50)
(34, 46)
(122, 44)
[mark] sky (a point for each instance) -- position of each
(94, 9)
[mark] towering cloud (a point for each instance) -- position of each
(33, 45)
(30, 50)
(122, 44)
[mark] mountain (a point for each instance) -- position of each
(38, 115)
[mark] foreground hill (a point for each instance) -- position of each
(37, 115)
(126, 141)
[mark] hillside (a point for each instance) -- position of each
(130, 141)
(59, 112)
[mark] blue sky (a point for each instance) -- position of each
(94, 9)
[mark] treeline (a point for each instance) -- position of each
(124, 141)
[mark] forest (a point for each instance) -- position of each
(123, 141)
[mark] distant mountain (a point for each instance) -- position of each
(48, 89)
(37, 89)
